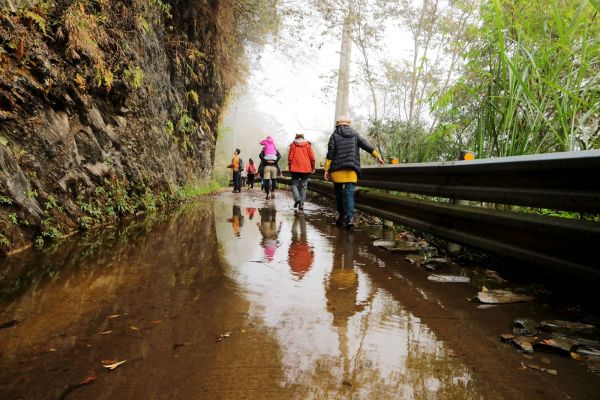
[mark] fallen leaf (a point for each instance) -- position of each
(522, 367)
(243, 331)
(114, 316)
(106, 362)
(87, 380)
(577, 357)
(114, 365)
(157, 322)
(134, 328)
(106, 333)
(551, 371)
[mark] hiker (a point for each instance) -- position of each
(244, 177)
(251, 170)
(269, 150)
(343, 166)
(236, 167)
(301, 163)
(269, 170)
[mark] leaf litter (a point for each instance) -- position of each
(112, 364)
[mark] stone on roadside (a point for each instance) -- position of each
(522, 345)
(502, 297)
(525, 327)
(449, 278)
(383, 243)
(506, 337)
(569, 328)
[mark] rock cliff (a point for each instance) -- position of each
(106, 108)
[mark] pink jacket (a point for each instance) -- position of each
(269, 146)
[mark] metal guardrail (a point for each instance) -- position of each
(561, 181)
(564, 181)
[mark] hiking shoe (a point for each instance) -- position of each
(301, 206)
(296, 204)
(340, 221)
(349, 223)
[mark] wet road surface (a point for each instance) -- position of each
(235, 297)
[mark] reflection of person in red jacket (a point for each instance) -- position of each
(300, 254)
(301, 163)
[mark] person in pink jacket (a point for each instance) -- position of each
(269, 149)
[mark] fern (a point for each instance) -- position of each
(38, 19)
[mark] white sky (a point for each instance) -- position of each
(292, 90)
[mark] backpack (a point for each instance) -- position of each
(241, 165)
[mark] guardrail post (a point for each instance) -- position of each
(465, 155)
(390, 224)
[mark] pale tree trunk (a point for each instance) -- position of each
(343, 89)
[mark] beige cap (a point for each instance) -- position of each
(343, 120)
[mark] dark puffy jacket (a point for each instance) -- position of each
(343, 149)
(263, 163)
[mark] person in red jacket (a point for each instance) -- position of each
(301, 163)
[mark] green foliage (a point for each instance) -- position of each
(134, 77)
(184, 130)
(5, 200)
(169, 128)
(149, 201)
(408, 142)
(39, 20)
(193, 95)
(186, 124)
(162, 6)
(52, 203)
(48, 231)
(531, 82)
(13, 218)
(4, 241)
(190, 192)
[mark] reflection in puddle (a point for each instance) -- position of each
(269, 231)
(307, 320)
(301, 254)
(341, 336)
(236, 220)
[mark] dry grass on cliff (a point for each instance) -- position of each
(84, 33)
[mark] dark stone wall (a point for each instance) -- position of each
(106, 108)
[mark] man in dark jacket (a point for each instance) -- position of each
(343, 166)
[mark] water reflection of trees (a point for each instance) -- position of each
(106, 246)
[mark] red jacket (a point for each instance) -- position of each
(301, 157)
